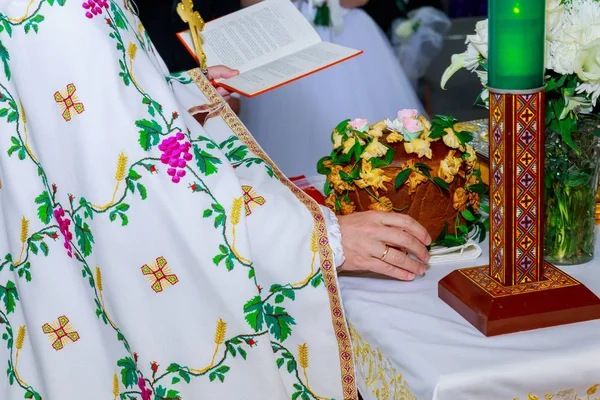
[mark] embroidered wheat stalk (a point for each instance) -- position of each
(220, 332)
(24, 229)
(24, 236)
(120, 172)
(236, 211)
(19, 344)
(21, 337)
(132, 52)
(303, 360)
(99, 279)
(314, 249)
(116, 386)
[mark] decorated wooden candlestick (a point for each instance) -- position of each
(518, 291)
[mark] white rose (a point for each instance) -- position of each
(561, 57)
(554, 11)
(480, 39)
(587, 62)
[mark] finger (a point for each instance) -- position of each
(403, 239)
(407, 224)
(390, 270)
(224, 93)
(402, 260)
(221, 71)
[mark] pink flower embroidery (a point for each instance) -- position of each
(358, 124)
(63, 224)
(176, 154)
(146, 393)
(94, 7)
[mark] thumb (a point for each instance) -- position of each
(221, 71)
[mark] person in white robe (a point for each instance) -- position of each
(293, 123)
(148, 247)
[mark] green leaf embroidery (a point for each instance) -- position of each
(84, 236)
(10, 296)
(128, 371)
(278, 321)
(150, 132)
(254, 313)
(4, 56)
(205, 161)
(143, 191)
(45, 209)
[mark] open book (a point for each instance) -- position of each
(271, 43)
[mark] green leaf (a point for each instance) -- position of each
(175, 380)
(321, 169)
(279, 298)
(172, 394)
(185, 376)
(44, 211)
(402, 177)
(150, 132)
(423, 169)
(237, 154)
(38, 18)
(143, 191)
(468, 215)
(389, 156)
(33, 247)
(254, 313)
(218, 258)
(10, 296)
(342, 127)
(207, 213)
(7, 26)
(441, 183)
(316, 281)
(278, 321)
(128, 371)
(291, 366)
(280, 362)
(242, 352)
(477, 188)
(84, 236)
(173, 367)
(118, 16)
(44, 248)
(289, 293)
(5, 57)
(205, 161)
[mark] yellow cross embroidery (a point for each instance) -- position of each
(67, 100)
(159, 275)
(186, 12)
(60, 333)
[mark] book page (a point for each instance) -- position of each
(289, 68)
(255, 35)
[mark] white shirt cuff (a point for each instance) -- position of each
(335, 236)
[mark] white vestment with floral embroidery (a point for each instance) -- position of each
(143, 255)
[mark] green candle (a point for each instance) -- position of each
(517, 42)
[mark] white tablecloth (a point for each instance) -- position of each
(410, 345)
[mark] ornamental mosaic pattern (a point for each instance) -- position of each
(60, 333)
(554, 278)
(497, 187)
(69, 102)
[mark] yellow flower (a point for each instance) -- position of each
(337, 139)
(350, 142)
(459, 201)
(394, 137)
(473, 180)
(415, 178)
(330, 201)
(425, 122)
(419, 146)
(474, 201)
(449, 167)
(471, 160)
(381, 204)
(375, 149)
(450, 139)
(339, 185)
(375, 178)
(347, 208)
(376, 130)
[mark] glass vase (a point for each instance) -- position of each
(571, 179)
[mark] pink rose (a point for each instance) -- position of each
(359, 124)
(411, 124)
(407, 113)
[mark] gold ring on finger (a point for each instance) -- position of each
(385, 253)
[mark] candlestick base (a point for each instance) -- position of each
(495, 309)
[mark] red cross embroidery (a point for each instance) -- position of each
(159, 275)
(251, 199)
(60, 333)
(67, 100)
